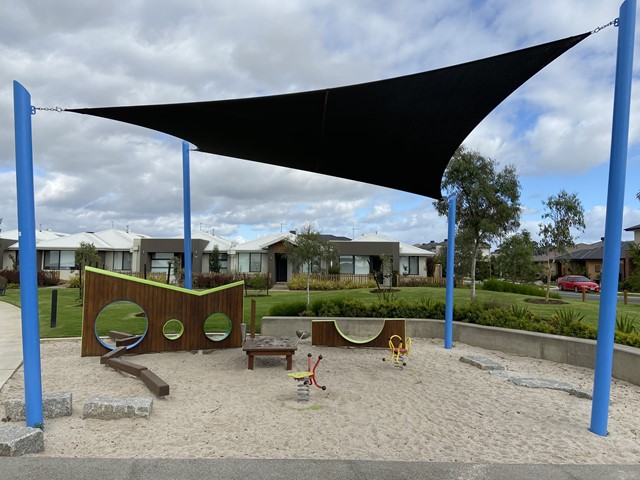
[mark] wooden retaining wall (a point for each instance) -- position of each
(327, 332)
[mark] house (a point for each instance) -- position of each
(586, 259)
(125, 251)
(407, 259)
(360, 256)
(156, 254)
(57, 251)
(636, 232)
(439, 248)
(10, 238)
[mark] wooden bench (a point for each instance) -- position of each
(271, 346)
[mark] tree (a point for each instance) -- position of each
(516, 258)
(487, 202)
(85, 254)
(308, 251)
(563, 214)
(214, 260)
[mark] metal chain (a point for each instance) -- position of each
(612, 22)
(49, 109)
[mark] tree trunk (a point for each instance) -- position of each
(473, 274)
(548, 280)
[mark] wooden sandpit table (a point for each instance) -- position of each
(273, 346)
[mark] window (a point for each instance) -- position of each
(250, 262)
(224, 262)
(160, 261)
(315, 267)
(409, 265)
(122, 261)
(355, 264)
(59, 260)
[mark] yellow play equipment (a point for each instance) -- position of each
(399, 350)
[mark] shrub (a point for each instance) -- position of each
(625, 324)
(499, 286)
(292, 309)
(74, 282)
(48, 278)
(567, 322)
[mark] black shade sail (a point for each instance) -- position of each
(381, 132)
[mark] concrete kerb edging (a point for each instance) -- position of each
(573, 351)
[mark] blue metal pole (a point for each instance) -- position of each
(613, 225)
(188, 282)
(27, 253)
(451, 245)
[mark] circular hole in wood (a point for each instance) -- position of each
(121, 323)
(217, 326)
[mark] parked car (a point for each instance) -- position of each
(577, 283)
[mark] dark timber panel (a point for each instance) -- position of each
(161, 303)
(325, 332)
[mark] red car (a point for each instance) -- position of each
(577, 283)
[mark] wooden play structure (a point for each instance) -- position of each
(328, 333)
(150, 379)
(161, 305)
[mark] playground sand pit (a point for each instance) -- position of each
(437, 408)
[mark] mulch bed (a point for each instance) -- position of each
(543, 301)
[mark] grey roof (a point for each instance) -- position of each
(596, 252)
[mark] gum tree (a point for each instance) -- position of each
(563, 215)
(487, 202)
(309, 251)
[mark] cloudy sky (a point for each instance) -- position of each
(93, 174)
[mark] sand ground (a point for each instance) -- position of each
(437, 408)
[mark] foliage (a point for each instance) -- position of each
(45, 278)
(215, 264)
(563, 214)
(178, 271)
(515, 261)
(309, 250)
(625, 324)
(87, 254)
(289, 309)
(74, 281)
(501, 286)
(14, 262)
(565, 319)
(632, 283)
(299, 282)
(257, 281)
(487, 202)
(213, 280)
(491, 308)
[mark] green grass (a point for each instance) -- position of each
(121, 318)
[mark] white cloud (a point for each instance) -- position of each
(92, 173)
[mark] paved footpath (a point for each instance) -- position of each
(10, 341)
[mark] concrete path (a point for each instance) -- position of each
(10, 341)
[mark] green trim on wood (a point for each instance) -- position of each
(162, 285)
